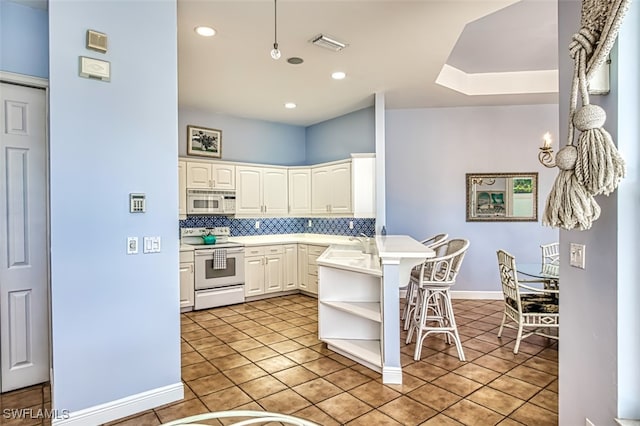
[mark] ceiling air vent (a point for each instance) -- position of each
(328, 43)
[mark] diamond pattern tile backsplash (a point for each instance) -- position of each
(284, 225)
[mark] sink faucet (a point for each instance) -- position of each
(364, 241)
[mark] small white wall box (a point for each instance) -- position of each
(95, 68)
(137, 203)
(97, 41)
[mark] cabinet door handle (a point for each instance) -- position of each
(265, 209)
(214, 183)
(191, 268)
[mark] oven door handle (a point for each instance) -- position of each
(209, 252)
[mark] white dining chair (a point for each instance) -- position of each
(550, 253)
(533, 310)
(551, 260)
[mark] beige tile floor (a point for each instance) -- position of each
(265, 355)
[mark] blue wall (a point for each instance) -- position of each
(336, 139)
(247, 140)
(428, 154)
(24, 39)
(115, 317)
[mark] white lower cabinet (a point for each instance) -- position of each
(312, 267)
(303, 267)
(253, 275)
(290, 267)
(273, 269)
(187, 283)
(263, 270)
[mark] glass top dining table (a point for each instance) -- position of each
(539, 270)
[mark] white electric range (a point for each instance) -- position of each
(219, 267)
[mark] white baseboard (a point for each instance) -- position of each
(391, 375)
(462, 294)
(123, 407)
(488, 295)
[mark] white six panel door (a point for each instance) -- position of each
(24, 306)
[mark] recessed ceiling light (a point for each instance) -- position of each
(338, 75)
(205, 31)
(294, 60)
(290, 105)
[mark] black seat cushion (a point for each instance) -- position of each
(536, 303)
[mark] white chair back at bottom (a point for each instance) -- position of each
(550, 253)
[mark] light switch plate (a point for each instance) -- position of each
(151, 245)
(577, 255)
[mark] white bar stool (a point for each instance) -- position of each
(433, 311)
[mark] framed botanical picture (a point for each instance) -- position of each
(204, 142)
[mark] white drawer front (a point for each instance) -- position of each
(219, 297)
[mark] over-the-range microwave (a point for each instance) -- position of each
(207, 201)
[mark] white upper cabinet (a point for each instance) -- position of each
(249, 192)
(182, 190)
(299, 191)
(274, 191)
(363, 184)
(341, 188)
(261, 191)
(331, 189)
(211, 176)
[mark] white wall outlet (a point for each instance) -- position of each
(350, 224)
(577, 255)
(132, 245)
(257, 225)
(309, 224)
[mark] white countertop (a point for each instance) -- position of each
(319, 239)
(402, 246)
(351, 258)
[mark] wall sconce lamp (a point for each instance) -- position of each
(545, 156)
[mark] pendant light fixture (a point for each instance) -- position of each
(275, 52)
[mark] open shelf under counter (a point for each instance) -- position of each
(365, 352)
(367, 310)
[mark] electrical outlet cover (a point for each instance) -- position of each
(132, 245)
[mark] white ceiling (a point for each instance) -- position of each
(395, 47)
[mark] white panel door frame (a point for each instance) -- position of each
(24, 338)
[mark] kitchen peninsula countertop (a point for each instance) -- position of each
(351, 258)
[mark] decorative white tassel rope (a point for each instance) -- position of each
(595, 166)
(569, 204)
